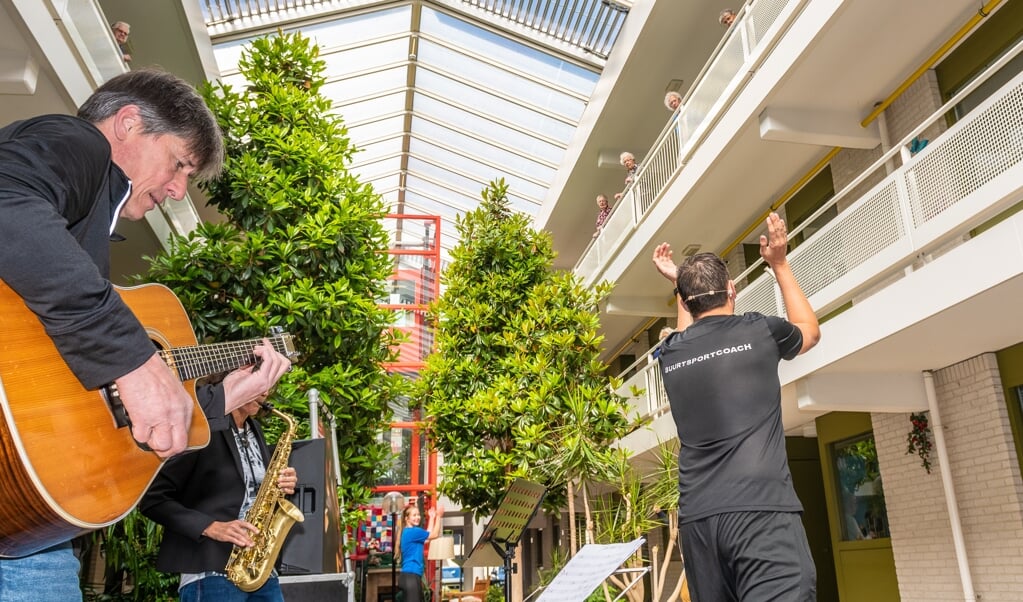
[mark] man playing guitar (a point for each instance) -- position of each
(64, 182)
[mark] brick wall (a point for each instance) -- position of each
(988, 486)
(909, 110)
(847, 165)
(916, 104)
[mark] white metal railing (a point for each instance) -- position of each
(926, 203)
(745, 45)
(930, 201)
(89, 33)
(644, 390)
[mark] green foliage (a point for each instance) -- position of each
(130, 548)
(639, 503)
(303, 248)
(495, 593)
(515, 387)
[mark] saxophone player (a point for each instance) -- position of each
(201, 499)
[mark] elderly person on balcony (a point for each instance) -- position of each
(672, 101)
(726, 18)
(628, 161)
(121, 32)
(602, 214)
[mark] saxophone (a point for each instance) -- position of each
(249, 568)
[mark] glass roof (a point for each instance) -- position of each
(440, 97)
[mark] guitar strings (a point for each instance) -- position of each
(216, 357)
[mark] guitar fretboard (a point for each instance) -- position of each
(204, 360)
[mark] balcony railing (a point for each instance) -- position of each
(747, 43)
(644, 389)
(934, 199)
(89, 34)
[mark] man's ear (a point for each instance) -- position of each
(127, 122)
(731, 290)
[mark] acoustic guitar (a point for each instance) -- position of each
(68, 463)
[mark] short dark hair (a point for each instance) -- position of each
(698, 275)
(167, 105)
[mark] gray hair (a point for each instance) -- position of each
(725, 13)
(624, 156)
(669, 96)
(167, 105)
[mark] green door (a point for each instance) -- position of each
(805, 465)
(858, 519)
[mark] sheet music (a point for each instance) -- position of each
(587, 569)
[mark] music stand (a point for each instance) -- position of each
(497, 544)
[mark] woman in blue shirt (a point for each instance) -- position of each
(410, 549)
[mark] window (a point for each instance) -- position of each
(860, 494)
(982, 48)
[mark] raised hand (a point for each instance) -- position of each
(774, 245)
(664, 263)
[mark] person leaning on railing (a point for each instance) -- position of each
(672, 101)
(121, 32)
(726, 18)
(602, 214)
(628, 161)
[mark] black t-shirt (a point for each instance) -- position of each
(721, 377)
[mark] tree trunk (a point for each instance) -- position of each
(589, 517)
(572, 546)
(637, 593)
(672, 538)
(621, 581)
(656, 574)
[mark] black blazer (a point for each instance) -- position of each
(189, 493)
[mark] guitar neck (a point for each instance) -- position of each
(206, 360)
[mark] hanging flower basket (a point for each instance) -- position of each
(919, 439)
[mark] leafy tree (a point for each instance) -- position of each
(303, 248)
(515, 387)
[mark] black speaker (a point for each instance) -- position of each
(316, 588)
(312, 545)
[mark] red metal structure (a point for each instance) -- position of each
(414, 284)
